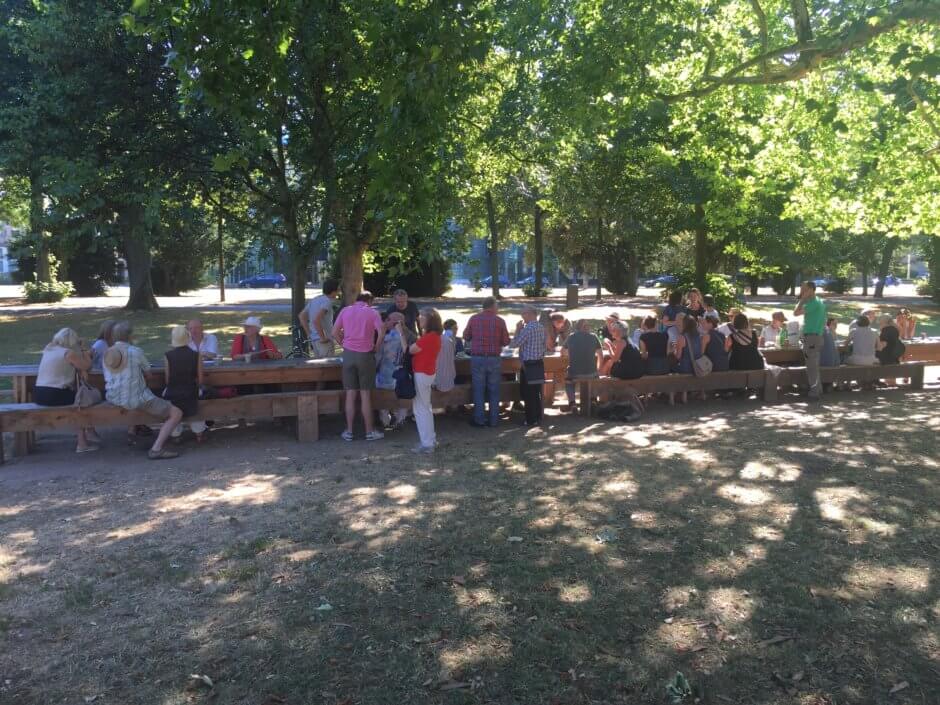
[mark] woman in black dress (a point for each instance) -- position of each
(627, 363)
(183, 380)
(742, 344)
(654, 347)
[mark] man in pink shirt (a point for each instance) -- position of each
(359, 329)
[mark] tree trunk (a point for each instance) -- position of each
(221, 255)
(351, 271)
(755, 283)
(701, 247)
(36, 223)
(884, 267)
(494, 242)
(865, 279)
(539, 215)
(933, 262)
(137, 256)
(633, 272)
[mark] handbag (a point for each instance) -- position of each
(701, 366)
(534, 371)
(85, 394)
(405, 379)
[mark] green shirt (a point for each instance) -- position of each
(814, 316)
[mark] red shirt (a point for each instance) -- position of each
(486, 333)
(426, 360)
(266, 348)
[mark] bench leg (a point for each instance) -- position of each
(917, 377)
(21, 444)
(308, 418)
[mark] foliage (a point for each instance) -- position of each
(923, 287)
(38, 292)
(422, 278)
(725, 294)
(535, 291)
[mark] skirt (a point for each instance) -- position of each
(53, 396)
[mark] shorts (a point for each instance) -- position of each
(158, 407)
(358, 370)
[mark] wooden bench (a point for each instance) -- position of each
(863, 374)
(305, 406)
(605, 389)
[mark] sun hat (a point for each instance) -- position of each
(115, 358)
(179, 337)
(779, 314)
(253, 321)
(613, 315)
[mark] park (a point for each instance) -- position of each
(553, 352)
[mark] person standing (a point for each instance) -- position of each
(486, 334)
(206, 344)
(813, 310)
(424, 353)
(530, 340)
(389, 359)
(406, 308)
(359, 330)
(317, 320)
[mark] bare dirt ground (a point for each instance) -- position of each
(775, 555)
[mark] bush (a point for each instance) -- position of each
(923, 287)
(418, 278)
(717, 285)
(838, 285)
(534, 290)
(47, 292)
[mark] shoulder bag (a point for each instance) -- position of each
(85, 394)
(702, 366)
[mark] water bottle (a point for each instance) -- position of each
(782, 338)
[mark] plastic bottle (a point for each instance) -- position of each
(782, 337)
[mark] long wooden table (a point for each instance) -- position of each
(918, 350)
(298, 374)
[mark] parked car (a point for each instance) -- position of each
(530, 280)
(890, 280)
(503, 281)
(264, 281)
(822, 282)
(662, 280)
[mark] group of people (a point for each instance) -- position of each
(413, 351)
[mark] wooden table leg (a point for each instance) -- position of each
(308, 418)
(22, 440)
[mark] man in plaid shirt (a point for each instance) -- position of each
(530, 339)
(485, 336)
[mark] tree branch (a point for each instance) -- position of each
(813, 53)
(762, 25)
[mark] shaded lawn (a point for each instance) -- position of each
(774, 555)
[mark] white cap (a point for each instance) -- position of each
(253, 321)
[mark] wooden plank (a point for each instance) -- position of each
(308, 418)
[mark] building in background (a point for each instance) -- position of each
(7, 261)
(512, 265)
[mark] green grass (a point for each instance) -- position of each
(927, 313)
(27, 333)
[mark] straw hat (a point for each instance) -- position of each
(253, 321)
(115, 358)
(613, 316)
(179, 337)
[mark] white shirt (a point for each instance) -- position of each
(863, 341)
(726, 329)
(209, 344)
(769, 335)
(54, 370)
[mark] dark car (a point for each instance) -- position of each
(264, 281)
(662, 280)
(530, 281)
(503, 281)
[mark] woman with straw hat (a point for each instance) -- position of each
(183, 379)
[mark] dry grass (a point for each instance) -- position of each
(774, 555)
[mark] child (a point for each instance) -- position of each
(710, 310)
(450, 330)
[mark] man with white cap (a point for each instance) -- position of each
(251, 345)
(125, 366)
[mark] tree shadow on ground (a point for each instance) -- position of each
(774, 555)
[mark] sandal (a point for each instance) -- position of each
(162, 454)
(88, 449)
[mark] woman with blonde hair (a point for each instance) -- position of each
(183, 380)
(64, 359)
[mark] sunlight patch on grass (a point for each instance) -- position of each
(840, 503)
(620, 488)
(767, 533)
(248, 490)
(402, 493)
(774, 470)
(736, 564)
(732, 605)
(867, 580)
(746, 496)
(577, 593)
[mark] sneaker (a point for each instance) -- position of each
(374, 436)
(420, 449)
(346, 435)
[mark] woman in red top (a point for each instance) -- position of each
(251, 345)
(424, 363)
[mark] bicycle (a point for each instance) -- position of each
(300, 344)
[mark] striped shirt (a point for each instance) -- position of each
(487, 334)
(128, 386)
(530, 341)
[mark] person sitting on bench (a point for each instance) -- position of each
(63, 360)
(863, 341)
(585, 356)
(742, 344)
(125, 366)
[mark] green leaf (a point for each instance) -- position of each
(140, 7)
(284, 45)
(247, 54)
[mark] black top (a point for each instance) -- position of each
(745, 355)
(182, 387)
(630, 365)
(715, 351)
(891, 353)
(656, 343)
(410, 313)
